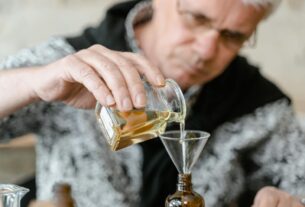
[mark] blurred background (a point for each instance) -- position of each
(280, 52)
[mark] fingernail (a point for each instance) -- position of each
(110, 100)
(140, 100)
(127, 104)
(160, 80)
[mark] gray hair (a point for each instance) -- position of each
(270, 5)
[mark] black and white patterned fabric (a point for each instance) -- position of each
(264, 147)
(70, 147)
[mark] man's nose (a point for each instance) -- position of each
(207, 45)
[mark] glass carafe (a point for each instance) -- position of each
(122, 129)
(11, 195)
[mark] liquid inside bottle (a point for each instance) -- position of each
(123, 129)
(184, 196)
(164, 105)
(63, 195)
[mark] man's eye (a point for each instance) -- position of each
(232, 37)
(194, 20)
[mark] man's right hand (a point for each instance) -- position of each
(81, 79)
(96, 73)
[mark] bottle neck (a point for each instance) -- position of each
(62, 195)
(184, 182)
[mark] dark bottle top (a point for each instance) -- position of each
(62, 195)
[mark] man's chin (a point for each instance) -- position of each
(185, 80)
(185, 84)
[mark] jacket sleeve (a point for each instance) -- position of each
(263, 148)
(29, 118)
(281, 159)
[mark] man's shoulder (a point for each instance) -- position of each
(252, 89)
(122, 8)
(253, 84)
(239, 91)
(110, 32)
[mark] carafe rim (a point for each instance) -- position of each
(179, 94)
(6, 189)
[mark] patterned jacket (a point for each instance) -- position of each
(256, 140)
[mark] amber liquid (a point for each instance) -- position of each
(185, 199)
(139, 125)
(185, 196)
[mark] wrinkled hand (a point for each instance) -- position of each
(274, 197)
(96, 73)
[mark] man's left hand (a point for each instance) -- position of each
(274, 197)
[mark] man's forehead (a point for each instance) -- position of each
(230, 12)
(215, 5)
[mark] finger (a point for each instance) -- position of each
(268, 201)
(257, 199)
(134, 82)
(132, 77)
(152, 73)
(285, 203)
(297, 203)
(84, 74)
(266, 197)
(112, 76)
(256, 202)
(285, 199)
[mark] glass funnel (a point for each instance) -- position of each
(11, 195)
(184, 149)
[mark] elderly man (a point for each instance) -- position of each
(256, 141)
